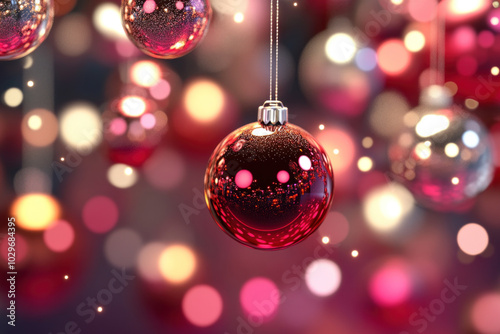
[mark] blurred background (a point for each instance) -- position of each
(111, 239)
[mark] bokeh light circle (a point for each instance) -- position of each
(100, 214)
(202, 305)
(414, 41)
(204, 100)
(60, 236)
(122, 176)
(145, 73)
(340, 147)
(386, 207)
(391, 284)
(39, 127)
(394, 59)
(107, 20)
(177, 263)
(66, 29)
(35, 211)
(473, 239)
(81, 127)
(423, 10)
(323, 277)
(340, 48)
(259, 297)
(484, 315)
(122, 247)
(13, 97)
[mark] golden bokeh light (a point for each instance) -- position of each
(451, 150)
(204, 100)
(365, 164)
(13, 97)
(414, 41)
(122, 176)
(107, 20)
(177, 264)
(35, 211)
(386, 207)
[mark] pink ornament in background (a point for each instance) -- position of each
(133, 129)
(269, 186)
(24, 25)
(166, 28)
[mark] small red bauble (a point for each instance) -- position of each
(133, 129)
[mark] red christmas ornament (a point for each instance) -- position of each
(166, 28)
(133, 129)
(24, 25)
(269, 184)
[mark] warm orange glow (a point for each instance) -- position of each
(339, 146)
(393, 57)
(35, 211)
(177, 263)
(204, 100)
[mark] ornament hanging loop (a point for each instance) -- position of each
(274, 49)
(273, 113)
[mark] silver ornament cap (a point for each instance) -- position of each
(273, 113)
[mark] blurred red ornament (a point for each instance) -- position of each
(133, 129)
(269, 184)
(166, 28)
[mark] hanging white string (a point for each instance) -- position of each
(274, 52)
(277, 48)
(271, 54)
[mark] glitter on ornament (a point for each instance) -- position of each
(269, 184)
(166, 28)
(444, 159)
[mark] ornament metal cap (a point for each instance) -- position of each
(273, 113)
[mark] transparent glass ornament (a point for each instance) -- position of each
(24, 25)
(444, 156)
(166, 28)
